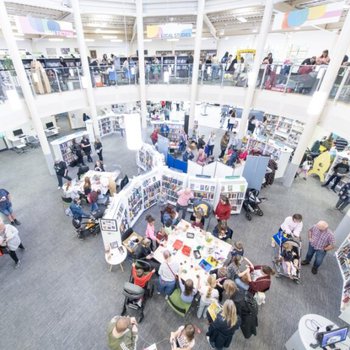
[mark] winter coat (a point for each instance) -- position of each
(247, 309)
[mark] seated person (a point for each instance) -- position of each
(168, 227)
(144, 250)
(187, 289)
(187, 155)
(99, 166)
(231, 158)
(222, 231)
(290, 260)
(238, 271)
(201, 158)
(77, 210)
(171, 214)
(237, 249)
(197, 219)
(141, 278)
(69, 192)
(161, 236)
(82, 170)
(183, 338)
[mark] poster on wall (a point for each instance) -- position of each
(169, 31)
(309, 16)
(42, 26)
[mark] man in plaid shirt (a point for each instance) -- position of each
(321, 240)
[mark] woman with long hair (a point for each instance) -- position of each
(208, 295)
(221, 331)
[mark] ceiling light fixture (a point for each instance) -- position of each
(89, 40)
(147, 40)
(109, 37)
(55, 39)
(241, 19)
(116, 40)
(173, 39)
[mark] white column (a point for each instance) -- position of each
(253, 75)
(140, 48)
(319, 100)
(196, 57)
(22, 77)
(343, 229)
(86, 78)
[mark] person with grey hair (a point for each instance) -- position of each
(168, 271)
(10, 239)
(321, 240)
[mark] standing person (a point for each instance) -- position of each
(86, 146)
(211, 144)
(154, 136)
(76, 150)
(6, 206)
(9, 236)
(324, 58)
(224, 143)
(168, 271)
(122, 333)
(162, 201)
(305, 167)
(183, 338)
(121, 126)
(344, 197)
(339, 171)
(61, 172)
(321, 240)
(270, 176)
(201, 142)
(183, 200)
(223, 209)
(251, 125)
(293, 225)
(232, 121)
(150, 230)
(234, 141)
(215, 67)
(221, 331)
(190, 64)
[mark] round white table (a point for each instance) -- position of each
(305, 334)
(116, 257)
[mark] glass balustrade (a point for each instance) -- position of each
(286, 78)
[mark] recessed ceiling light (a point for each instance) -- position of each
(173, 39)
(89, 40)
(254, 30)
(147, 40)
(116, 40)
(242, 19)
(204, 38)
(19, 39)
(109, 37)
(55, 39)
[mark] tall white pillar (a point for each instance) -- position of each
(343, 229)
(253, 75)
(140, 48)
(86, 78)
(319, 100)
(22, 77)
(196, 57)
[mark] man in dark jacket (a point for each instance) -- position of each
(61, 172)
(86, 146)
(339, 171)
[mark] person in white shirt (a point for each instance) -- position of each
(293, 225)
(9, 237)
(168, 271)
(208, 295)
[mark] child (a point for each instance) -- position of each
(168, 228)
(150, 228)
(197, 218)
(289, 259)
(140, 277)
(305, 167)
(161, 236)
(208, 295)
(187, 290)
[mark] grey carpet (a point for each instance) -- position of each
(63, 295)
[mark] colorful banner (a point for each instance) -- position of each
(40, 26)
(308, 16)
(169, 31)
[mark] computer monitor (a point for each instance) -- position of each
(17, 132)
(49, 125)
(332, 337)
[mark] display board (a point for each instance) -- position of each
(343, 258)
(148, 158)
(151, 185)
(173, 182)
(254, 171)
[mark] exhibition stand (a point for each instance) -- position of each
(305, 336)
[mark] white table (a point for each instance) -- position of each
(304, 336)
(216, 248)
(116, 257)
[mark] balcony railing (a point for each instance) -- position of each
(286, 78)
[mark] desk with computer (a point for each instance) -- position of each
(18, 140)
(317, 332)
(51, 129)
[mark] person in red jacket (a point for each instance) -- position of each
(140, 277)
(223, 209)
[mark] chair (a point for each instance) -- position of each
(127, 234)
(176, 303)
(20, 147)
(32, 141)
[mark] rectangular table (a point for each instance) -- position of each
(207, 244)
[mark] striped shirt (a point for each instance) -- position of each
(321, 239)
(340, 144)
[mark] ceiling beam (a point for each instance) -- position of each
(44, 4)
(210, 27)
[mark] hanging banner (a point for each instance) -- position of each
(41, 26)
(169, 31)
(311, 16)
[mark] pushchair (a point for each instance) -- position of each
(251, 203)
(88, 227)
(136, 296)
(287, 257)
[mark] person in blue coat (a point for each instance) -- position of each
(77, 210)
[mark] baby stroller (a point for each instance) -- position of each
(88, 227)
(287, 257)
(251, 203)
(136, 296)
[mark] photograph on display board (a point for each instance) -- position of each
(108, 224)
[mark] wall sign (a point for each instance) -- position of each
(169, 31)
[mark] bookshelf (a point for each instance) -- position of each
(173, 182)
(343, 259)
(203, 188)
(147, 158)
(234, 190)
(151, 185)
(135, 201)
